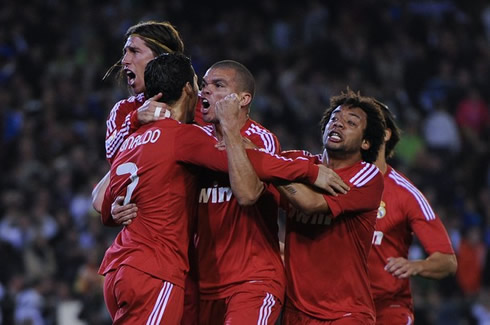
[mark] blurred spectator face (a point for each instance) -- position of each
(217, 83)
(136, 56)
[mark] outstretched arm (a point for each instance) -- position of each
(436, 266)
(304, 198)
(308, 199)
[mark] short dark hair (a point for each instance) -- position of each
(245, 78)
(375, 126)
(167, 74)
(390, 124)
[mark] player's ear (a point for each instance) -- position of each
(388, 133)
(245, 99)
(189, 90)
(365, 145)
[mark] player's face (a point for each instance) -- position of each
(216, 84)
(136, 56)
(344, 131)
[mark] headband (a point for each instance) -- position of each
(151, 40)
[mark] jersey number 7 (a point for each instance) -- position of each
(131, 169)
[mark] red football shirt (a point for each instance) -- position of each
(238, 244)
(326, 255)
(152, 170)
(403, 210)
(120, 124)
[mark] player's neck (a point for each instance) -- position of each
(336, 160)
(179, 110)
(381, 163)
(381, 160)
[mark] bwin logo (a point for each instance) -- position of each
(216, 194)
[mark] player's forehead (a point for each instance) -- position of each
(219, 73)
(349, 111)
(135, 42)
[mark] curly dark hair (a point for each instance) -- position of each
(375, 126)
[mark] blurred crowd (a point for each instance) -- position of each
(428, 60)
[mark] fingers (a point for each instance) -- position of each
(123, 214)
(158, 109)
(329, 181)
(156, 97)
(220, 145)
(400, 267)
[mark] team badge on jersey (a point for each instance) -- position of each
(381, 210)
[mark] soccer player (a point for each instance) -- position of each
(403, 211)
(241, 275)
(328, 237)
(144, 41)
(156, 169)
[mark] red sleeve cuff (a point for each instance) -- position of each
(313, 171)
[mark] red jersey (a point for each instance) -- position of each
(121, 122)
(238, 244)
(326, 255)
(152, 170)
(403, 210)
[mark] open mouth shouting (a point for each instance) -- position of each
(131, 77)
(205, 105)
(334, 136)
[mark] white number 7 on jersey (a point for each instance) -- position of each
(132, 170)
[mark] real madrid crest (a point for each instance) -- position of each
(381, 210)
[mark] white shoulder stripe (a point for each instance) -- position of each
(207, 129)
(265, 136)
(364, 175)
(421, 200)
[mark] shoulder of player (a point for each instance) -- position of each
(197, 130)
(363, 174)
(129, 104)
(410, 194)
(293, 154)
(261, 136)
(399, 182)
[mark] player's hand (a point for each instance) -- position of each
(151, 110)
(123, 214)
(329, 181)
(402, 268)
(227, 111)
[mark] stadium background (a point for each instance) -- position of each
(428, 60)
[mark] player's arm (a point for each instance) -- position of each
(436, 266)
(310, 200)
(246, 185)
(194, 145)
(99, 191)
(432, 234)
(118, 214)
(304, 198)
(120, 126)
